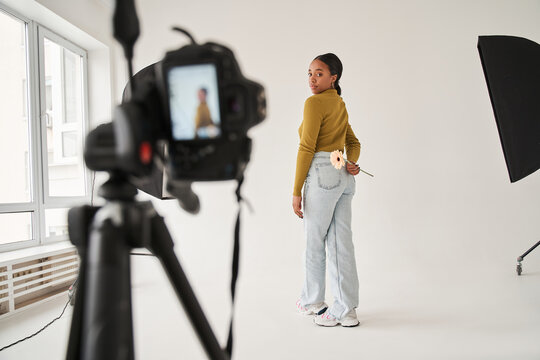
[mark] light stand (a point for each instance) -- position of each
(512, 74)
(521, 257)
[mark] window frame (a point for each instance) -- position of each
(60, 201)
(40, 201)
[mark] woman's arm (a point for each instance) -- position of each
(297, 206)
(311, 125)
(352, 145)
(309, 132)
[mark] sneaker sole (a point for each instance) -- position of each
(311, 313)
(325, 325)
(332, 325)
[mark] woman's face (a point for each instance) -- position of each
(201, 95)
(319, 77)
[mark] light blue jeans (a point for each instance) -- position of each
(328, 193)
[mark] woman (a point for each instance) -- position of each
(327, 197)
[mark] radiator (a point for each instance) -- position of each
(33, 279)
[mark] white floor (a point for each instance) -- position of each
(436, 314)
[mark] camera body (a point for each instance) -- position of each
(202, 148)
(195, 106)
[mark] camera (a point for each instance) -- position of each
(193, 108)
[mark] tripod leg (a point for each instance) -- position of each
(74, 343)
(107, 324)
(162, 246)
(79, 219)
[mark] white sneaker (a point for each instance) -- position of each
(350, 320)
(314, 309)
(327, 319)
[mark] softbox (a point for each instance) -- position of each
(512, 70)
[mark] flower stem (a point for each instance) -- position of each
(365, 172)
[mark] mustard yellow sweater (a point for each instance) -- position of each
(202, 117)
(325, 127)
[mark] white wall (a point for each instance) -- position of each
(418, 102)
(440, 202)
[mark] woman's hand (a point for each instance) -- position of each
(297, 206)
(352, 169)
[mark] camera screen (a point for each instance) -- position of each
(194, 102)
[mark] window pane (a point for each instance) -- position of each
(14, 131)
(69, 144)
(73, 87)
(15, 227)
(56, 222)
(64, 120)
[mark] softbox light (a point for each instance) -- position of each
(512, 70)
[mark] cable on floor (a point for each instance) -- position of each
(40, 330)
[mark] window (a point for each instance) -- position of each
(62, 76)
(42, 126)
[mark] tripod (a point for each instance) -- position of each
(102, 326)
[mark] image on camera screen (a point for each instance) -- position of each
(194, 102)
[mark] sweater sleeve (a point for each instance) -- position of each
(352, 145)
(311, 125)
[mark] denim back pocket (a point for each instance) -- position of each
(328, 177)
